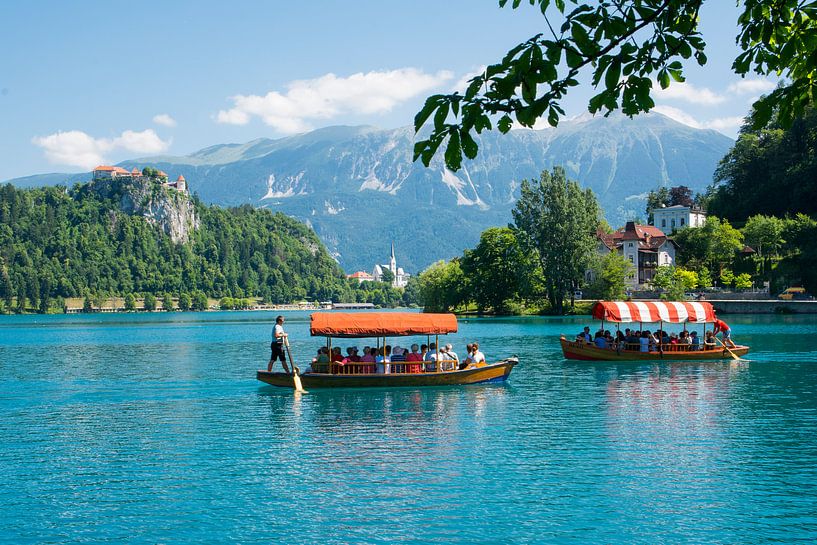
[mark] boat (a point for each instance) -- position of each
(380, 326)
(660, 312)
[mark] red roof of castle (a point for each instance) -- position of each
(104, 168)
(180, 178)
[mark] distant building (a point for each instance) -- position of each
(401, 278)
(105, 172)
(360, 276)
(672, 218)
(645, 246)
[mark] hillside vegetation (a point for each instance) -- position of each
(57, 242)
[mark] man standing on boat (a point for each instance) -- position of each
(721, 326)
(279, 337)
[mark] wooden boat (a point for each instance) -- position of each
(659, 312)
(379, 326)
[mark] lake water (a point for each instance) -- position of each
(152, 428)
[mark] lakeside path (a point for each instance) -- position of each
(152, 428)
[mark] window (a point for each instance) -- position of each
(682, 222)
(664, 222)
(673, 222)
(630, 245)
(631, 259)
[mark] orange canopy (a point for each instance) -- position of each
(654, 311)
(380, 324)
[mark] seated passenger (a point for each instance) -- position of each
(336, 355)
(321, 363)
(478, 357)
(684, 341)
(601, 341)
(414, 355)
(397, 354)
(452, 360)
(383, 359)
(355, 357)
(585, 335)
(694, 341)
(709, 342)
(644, 342)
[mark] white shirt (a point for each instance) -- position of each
(478, 357)
(277, 330)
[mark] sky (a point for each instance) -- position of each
(86, 83)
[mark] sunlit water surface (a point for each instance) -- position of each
(152, 428)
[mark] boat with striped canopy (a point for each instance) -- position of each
(380, 326)
(649, 312)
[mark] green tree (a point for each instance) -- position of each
(756, 176)
(622, 47)
(184, 301)
(493, 269)
(610, 274)
(387, 277)
(743, 281)
(656, 198)
(765, 235)
(167, 302)
(199, 301)
(411, 293)
(669, 282)
(556, 221)
(714, 245)
(727, 278)
(689, 279)
(442, 286)
(149, 302)
(130, 302)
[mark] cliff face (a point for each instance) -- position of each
(168, 208)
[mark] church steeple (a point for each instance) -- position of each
(393, 260)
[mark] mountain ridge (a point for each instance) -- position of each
(359, 189)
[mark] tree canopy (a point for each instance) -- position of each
(624, 47)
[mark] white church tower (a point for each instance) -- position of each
(400, 276)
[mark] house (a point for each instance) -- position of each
(105, 172)
(671, 218)
(180, 183)
(401, 278)
(645, 246)
(360, 276)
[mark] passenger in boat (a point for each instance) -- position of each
(694, 341)
(601, 341)
(725, 330)
(414, 356)
(423, 352)
(383, 359)
(431, 358)
(336, 356)
(585, 335)
(478, 356)
(398, 354)
(709, 342)
(321, 363)
(451, 357)
(469, 355)
(352, 355)
(644, 342)
(655, 341)
(368, 357)
(279, 337)
(621, 340)
(684, 341)
(631, 337)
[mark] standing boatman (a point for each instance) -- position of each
(279, 337)
(723, 327)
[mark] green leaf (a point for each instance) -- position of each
(469, 146)
(453, 152)
(613, 75)
(423, 115)
(505, 123)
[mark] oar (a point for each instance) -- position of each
(734, 356)
(295, 377)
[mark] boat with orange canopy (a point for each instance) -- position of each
(660, 312)
(380, 326)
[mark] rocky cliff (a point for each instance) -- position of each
(171, 210)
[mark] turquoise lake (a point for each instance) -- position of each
(153, 429)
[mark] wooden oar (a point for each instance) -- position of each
(295, 377)
(734, 356)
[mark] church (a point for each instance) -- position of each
(401, 278)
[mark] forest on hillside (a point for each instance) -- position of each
(57, 242)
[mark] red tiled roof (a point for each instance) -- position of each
(359, 274)
(648, 236)
(163, 173)
(180, 178)
(104, 168)
(120, 170)
(136, 171)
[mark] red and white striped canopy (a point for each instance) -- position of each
(659, 311)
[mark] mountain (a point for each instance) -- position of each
(358, 188)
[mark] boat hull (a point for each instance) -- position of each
(495, 372)
(574, 350)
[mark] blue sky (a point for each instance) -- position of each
(87, 82)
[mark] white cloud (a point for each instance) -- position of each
(727, 125)
(686, 92)
(751, 86)
(164, 119)
(329, 96)
(79, 149)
